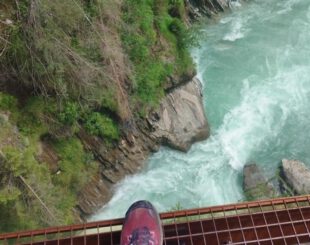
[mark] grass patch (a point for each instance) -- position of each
(147, 25)
(7, 102)
(100, 125)
(76, 166)
(56, 48)
(18, 206)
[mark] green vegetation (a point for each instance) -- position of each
(58, 191)
(15, 213)
(7, 102)
(176, 207)
(56, 49)
(261, 191)
(75, 166)
(70, 113)
(100, 125)
(32, 117)
(31, 193)
(76, 50)
(72, 65)
(156, 45)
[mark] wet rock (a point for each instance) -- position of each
(198, 8)
(296, 175)
(255, 184)
(180, 119)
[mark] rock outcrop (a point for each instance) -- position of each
(93, 195)
(115, 163)
(296, 175)
(255, 184)
(179, 121)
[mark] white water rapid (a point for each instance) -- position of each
(254, 64)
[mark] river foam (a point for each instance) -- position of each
(256, 85)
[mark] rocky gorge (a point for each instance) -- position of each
(123, 105)
(260, 119)
(119, 86)
(179, 121)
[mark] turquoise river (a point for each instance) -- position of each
(254, 64)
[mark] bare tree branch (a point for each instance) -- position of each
(37, 197)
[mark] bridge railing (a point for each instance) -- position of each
(277, 221)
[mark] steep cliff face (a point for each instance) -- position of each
(74, 72)
(92, 88)
(178, 122)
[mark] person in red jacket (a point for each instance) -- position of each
(142, 225)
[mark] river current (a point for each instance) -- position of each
(254, 64)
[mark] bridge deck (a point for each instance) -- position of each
(278, 221)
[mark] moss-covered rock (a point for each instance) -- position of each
(255, 185)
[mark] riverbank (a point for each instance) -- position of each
(87, 96)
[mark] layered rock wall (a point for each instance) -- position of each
(179, 121)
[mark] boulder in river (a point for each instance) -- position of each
(180, 119)
(255, 183)
(296, 175)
